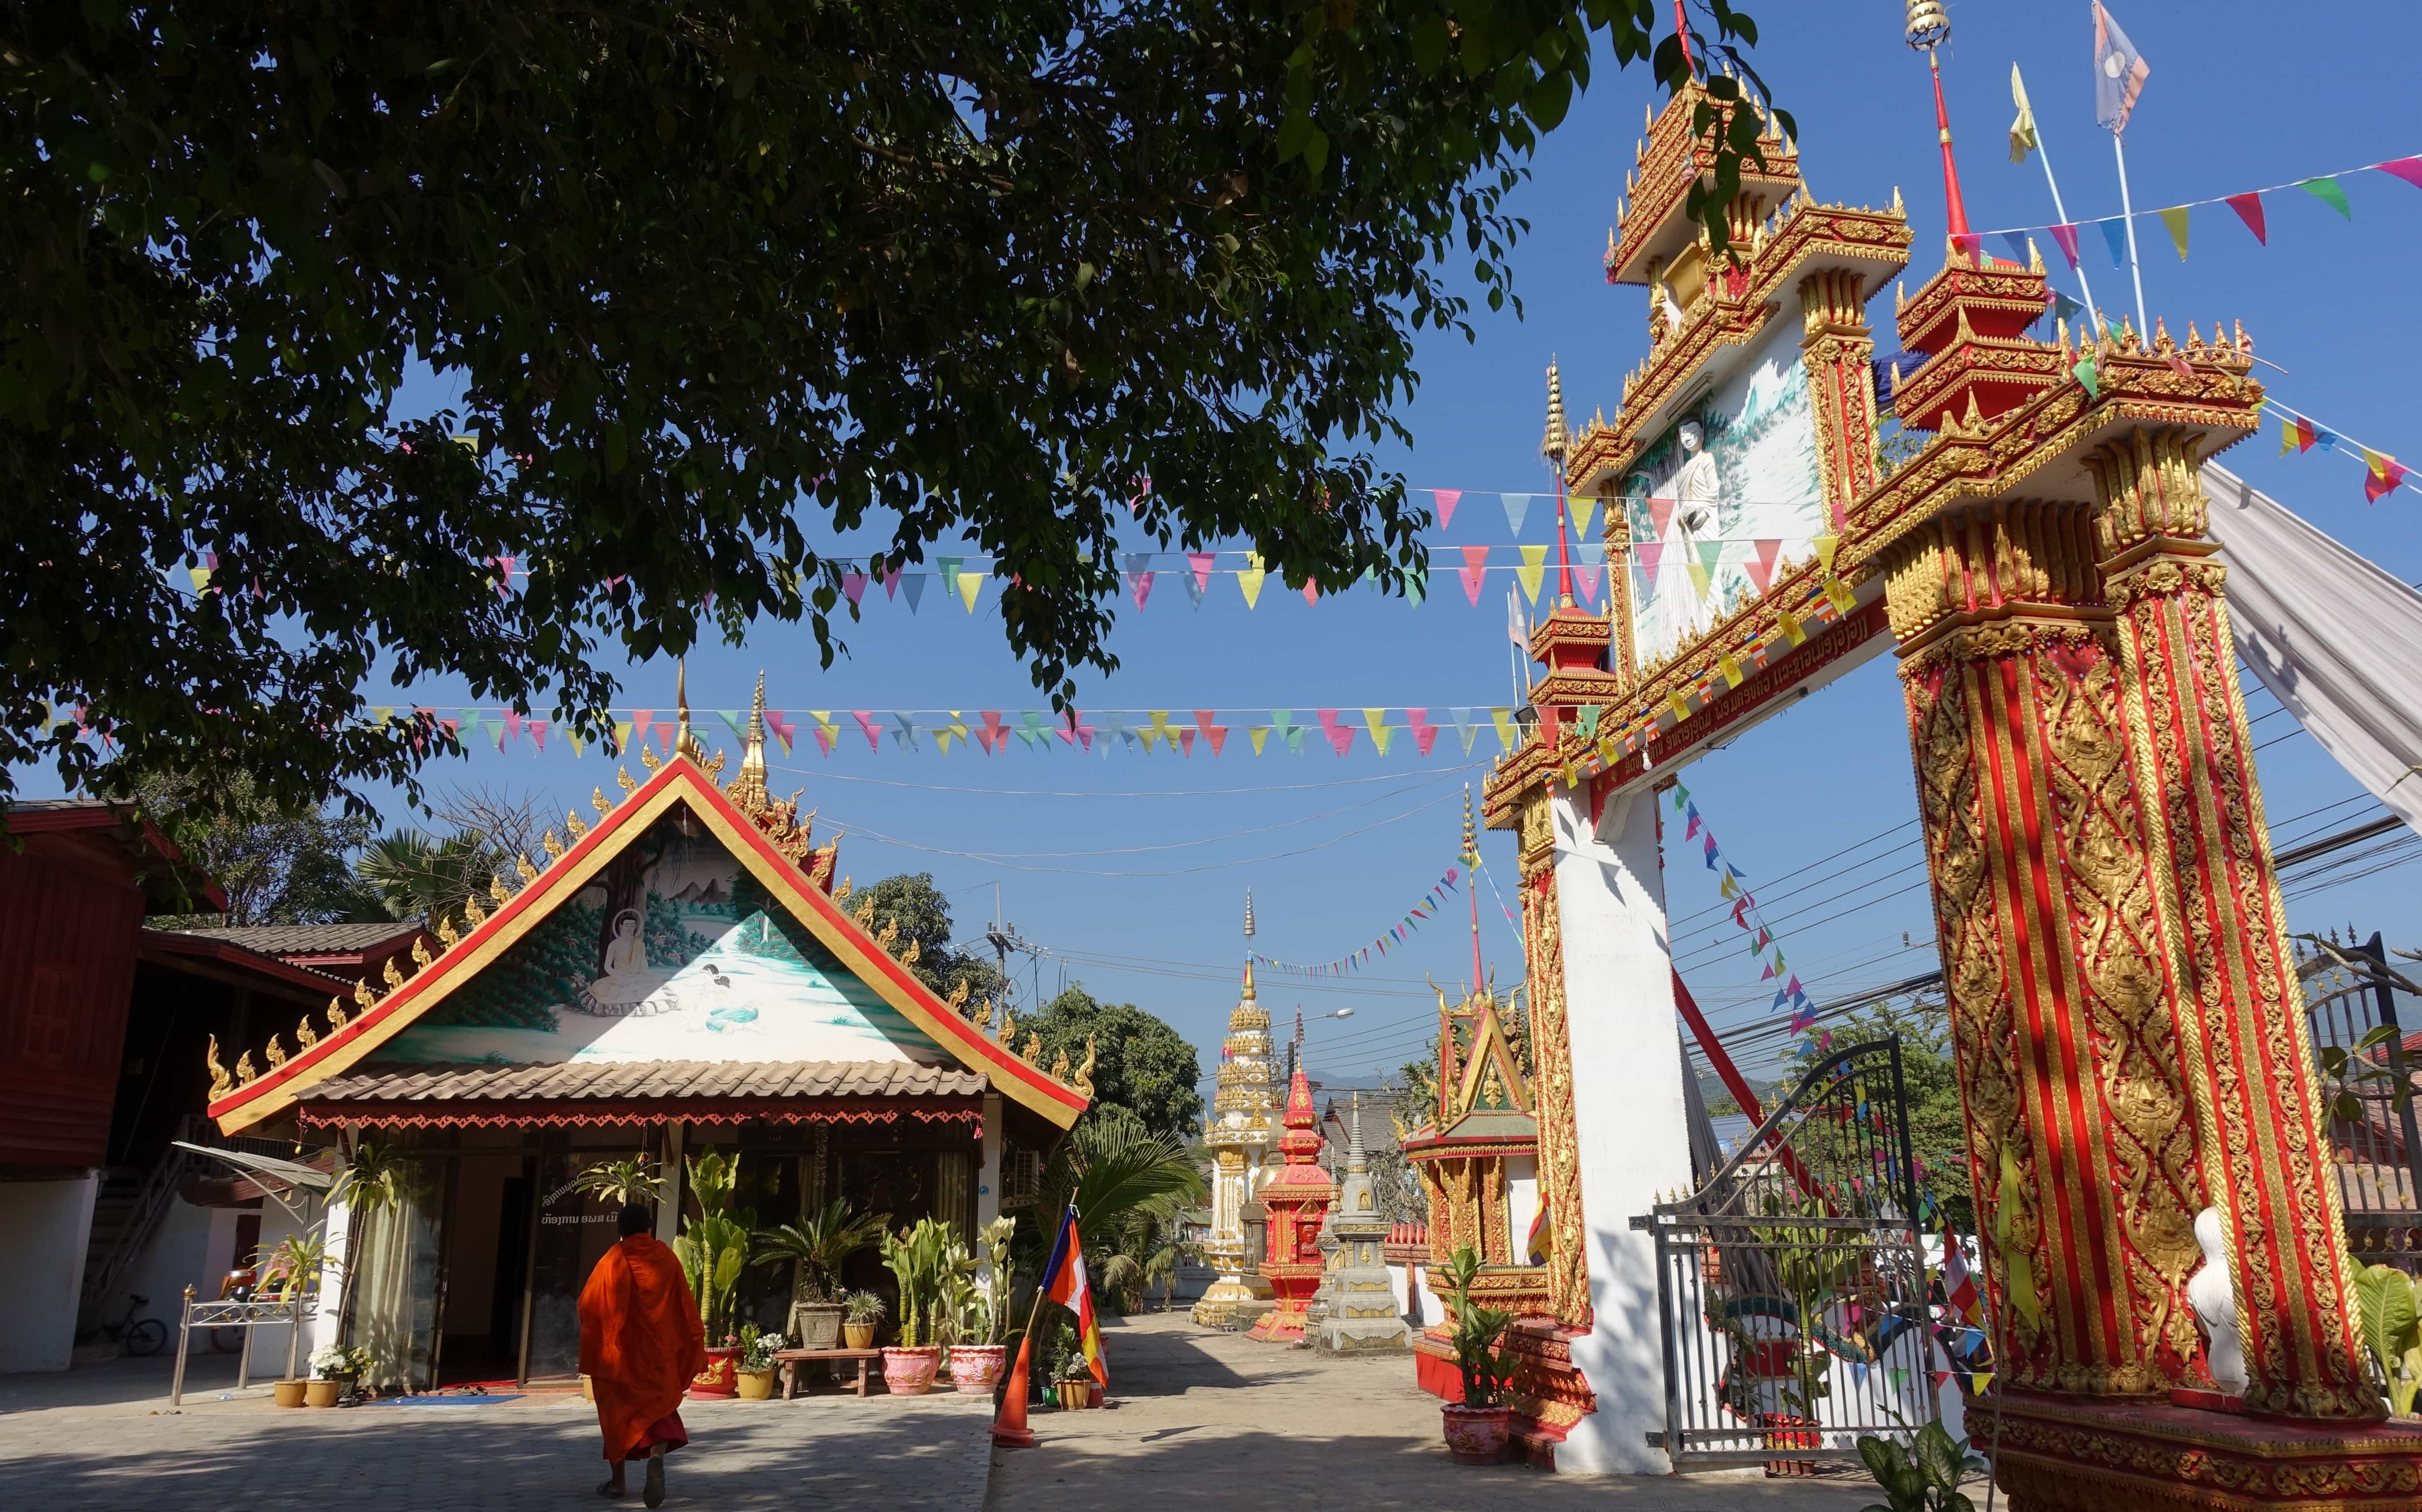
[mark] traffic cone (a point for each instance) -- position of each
(1009, 1429)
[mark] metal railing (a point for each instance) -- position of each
(2351, 1007)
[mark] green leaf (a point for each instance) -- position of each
(1549, 98)
(1315, 151)
(1429, 38)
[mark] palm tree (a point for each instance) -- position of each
(1127, 1186)
(421, 877)
(820, 1245)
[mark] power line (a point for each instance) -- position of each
(823, 776)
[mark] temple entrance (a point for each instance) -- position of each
(1791, 1287)
(487, 1242)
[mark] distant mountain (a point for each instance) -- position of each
(708, 891)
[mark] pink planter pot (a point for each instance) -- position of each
(721, 1376)
(911, 1372)
(975, 1368)
(1476, 1435)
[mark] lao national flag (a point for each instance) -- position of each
(2119, 71)
(1064, 1281)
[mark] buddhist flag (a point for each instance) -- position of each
(2022, 130)
(2119, 71)
(1064, 1281)
(1537, 1243)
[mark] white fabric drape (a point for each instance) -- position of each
(2334, 637)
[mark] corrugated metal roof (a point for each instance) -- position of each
(630, 1079)
(312, 939)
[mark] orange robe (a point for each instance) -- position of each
(641, 1345)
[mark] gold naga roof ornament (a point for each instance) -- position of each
(421, 956)
(886, 937)
(390, 975)
(984, 1013)
(522, 864)
(1083, 1080)
(472, 912)
(1032, 1049)
(553, 846)
(1060, 1066)
(336, 1015)
(840, 893)
(246, 1072)
(648, 758)
(497, 889)
(447, 933)
(275, 1051)
(915, 949)
(221, 1082)
(573, 824)
(304, 1035)
(363, 995)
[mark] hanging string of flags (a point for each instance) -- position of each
(1745, 915)
(2300, 432)
(1417, 915)
(2248, 206)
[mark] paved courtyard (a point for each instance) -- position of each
(1202, 1419)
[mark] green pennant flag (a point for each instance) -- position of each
(2085, 374)
(2326, 190)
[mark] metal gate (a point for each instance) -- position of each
(1791, 1288)
(2368, 1071)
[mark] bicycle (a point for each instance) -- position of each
(133, 1335)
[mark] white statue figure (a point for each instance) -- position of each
(1695, 483)
(1697, 487)
(2213, 1297)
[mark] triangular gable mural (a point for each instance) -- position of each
(1490, 1049)
(676, 929)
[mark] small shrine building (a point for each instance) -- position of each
(1298, 1197)
(682, 972)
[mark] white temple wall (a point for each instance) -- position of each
(1628, 1109)
(1521, 1202)
(45, 1227)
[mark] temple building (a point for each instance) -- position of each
(1297, 1196)
(1238, 1133)
(1357, 1306)
(682, 971)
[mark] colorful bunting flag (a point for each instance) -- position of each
(2176, 219)
(2249, 209)
(2327, 189)
(1447, 498)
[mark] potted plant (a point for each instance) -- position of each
(1477, 1427)
(1926, 1476)
(756, 1364)
(861, 1313)
(818, 1247)
(918, 1259)
(712, 1247)
(338, 1366)
(1074, 1381)
(978, 1312)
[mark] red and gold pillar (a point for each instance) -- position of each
(2046, 905)
(1839, 351)
(2238, 1009)
(1559, 1172)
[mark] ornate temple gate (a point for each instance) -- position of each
(2351, 1006)
(1791, 1287)
(2127, 1023)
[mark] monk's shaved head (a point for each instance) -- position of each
(636, 1219)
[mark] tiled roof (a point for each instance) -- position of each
(648, 1079)
(312, 939)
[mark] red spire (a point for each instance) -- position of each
(1958, 211)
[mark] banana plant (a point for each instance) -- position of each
(1926, 1476)
(2392, 1330)
(920, 1258)
(713, 1245)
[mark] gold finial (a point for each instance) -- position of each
(363, 995)
(275, 1053)
(336, 1015)
(390, 975)
(304, 1035)
(553, 846)
(623, 775)
(748, 787)
(1471, 836)
(1558, 440)
(685, 743)
(1247, 994)
(1059, 1072)
(1249, 913)
(244, 1071)
(472, 912)
(446, 933)
(1032, 1049)
(221, 1083)
(1083, 1080)
(915, 949)
(522, 864)
(597, 801)
(1930, 25)
(573, 824)
(497, 889)
(840, 893)
(421, 956)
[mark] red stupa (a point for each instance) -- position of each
(1297, 1196)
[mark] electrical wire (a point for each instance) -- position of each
(879, 838)
(823, 776)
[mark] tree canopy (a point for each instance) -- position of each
(275, 866)
(1938, 1130)
(911, 900)
(1140, 1063)
(707, 284)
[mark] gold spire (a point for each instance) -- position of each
(747, 790)
(685, 744)
(1471, 839)
(1249, 978)
(1558, 439)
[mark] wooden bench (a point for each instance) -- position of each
(790, 1359)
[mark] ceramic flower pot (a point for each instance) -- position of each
(911, 1372)
(756, 1385)
(1476, 1435)
(858, 1335)
(721, 1376)
(321, 1393)
(288, 1393)
(975, 1368)
(817, 1325)
(1075, 1393)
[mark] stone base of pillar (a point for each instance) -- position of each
(2142, 1456)
(1232, 1303)
(1283, 1324)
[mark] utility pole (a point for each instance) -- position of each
(1003, 939)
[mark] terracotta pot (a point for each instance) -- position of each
(911, 1372)
(1476, 1435)
(817, 1325)
(1075, 1394)
(757, 1385)
(975, 1368)
(721, 1376)
(321, 1393)
(287, 1393)
(859, 1335)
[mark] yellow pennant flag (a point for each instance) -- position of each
(622, 735)
(1790, 624)
(1381, 731)
(579, 744)
(1826, 546)
(1584, 508)
(1160, 730)
(381, 713)
(201, 577)
(2022, 130)
(1249, 577)
(1505, 721)
(1533, 568)
(1730, 667)
(1259, 735)
(2176, 219)
(970, 588)
(1673, 699)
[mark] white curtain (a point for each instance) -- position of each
(2334, 637)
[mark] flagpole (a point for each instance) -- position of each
(2092, 315)
(2127, 210)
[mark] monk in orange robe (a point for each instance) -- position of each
(641, 1344)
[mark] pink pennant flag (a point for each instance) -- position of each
(994, 734)
(823, 742)
(1660, 511)
(1650, 553)
(1551, 725)
(513, 727)
(1186, 740)
(505, 577)
(538, 732)
(1585, 578)
(2249, 209)
(666, 733)
(1424, 733)
(2066, 238)
(640, 720)
(852, 583)
(1340, 736)
(1200, 561)
(788, 733)
(2408, 170)
(1473, 571)
(892, 584)
(1216, 734)
(1311, 591)
(1761, 570)
(865, 718)
(1447, 499)
(1074, 733)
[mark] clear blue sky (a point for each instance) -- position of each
(1132, 871)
